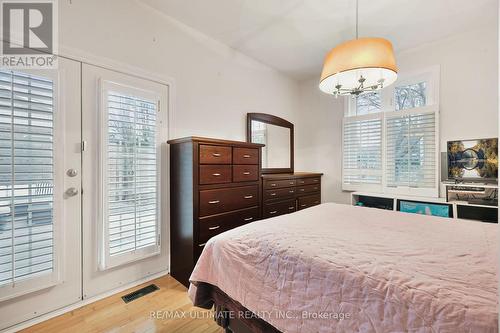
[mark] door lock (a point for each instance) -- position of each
(72, 172)
(71, 192)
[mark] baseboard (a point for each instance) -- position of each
(58, 312)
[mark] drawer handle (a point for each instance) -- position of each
(273, 194)
(248, 219)
(246, 156)
(291, 208)
(316, 188)
(216, 174)
(214, 202)
(303, 205)
(316, 180)
(202, 244)
(291, 183)
(273, 184)
(273, 212)
(215, 154)
(248, 196)
(316, 202)
(301, 190)
(302, 182)
(214, 228)
(291, 191)
(246, 173)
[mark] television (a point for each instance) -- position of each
(425, 208)
(473, 159)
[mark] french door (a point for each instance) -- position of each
(40, 191)
(83, 190)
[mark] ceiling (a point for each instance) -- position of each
(293, 36)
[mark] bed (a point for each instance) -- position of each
(340, 268)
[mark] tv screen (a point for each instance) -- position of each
(425, 208)
(473, 159)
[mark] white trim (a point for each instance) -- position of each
(107, 261)
(81, 303)
(431, 75)
(47, 280)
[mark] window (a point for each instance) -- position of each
(26, 177)
(368, 103)
(362, 164)
(403, 143)
(130, 174)
(410, 96)
(411, 152)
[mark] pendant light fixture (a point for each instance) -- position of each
(358, 66)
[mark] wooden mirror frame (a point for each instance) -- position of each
(273, 120)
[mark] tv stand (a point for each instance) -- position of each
(487, 212)
(474, 200)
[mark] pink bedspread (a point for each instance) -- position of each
(380, 271)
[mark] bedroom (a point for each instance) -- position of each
(217, 80)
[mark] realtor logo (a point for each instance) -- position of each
(29, 34)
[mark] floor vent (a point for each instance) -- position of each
(139, 293)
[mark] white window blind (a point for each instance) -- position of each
(131, 197)
(362, 152)
(26, 177)
(411, 151)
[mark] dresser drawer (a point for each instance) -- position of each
(245, 156)
(215, 154)
(228, 199)
(307, 189)
(271, 184)
(279, 208)
(245, 173)
(214, 225)
(309, 201)
(215, 174)
(308, 181)
(279, 193)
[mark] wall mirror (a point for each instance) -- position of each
(277, 134)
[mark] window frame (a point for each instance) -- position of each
(431, 75)
(50, 279)
(107, 261)
(366, 187)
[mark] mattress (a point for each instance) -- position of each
(340, 268)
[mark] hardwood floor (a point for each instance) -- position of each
(113, 315)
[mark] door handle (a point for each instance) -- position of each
(72, 173)
(71, 192)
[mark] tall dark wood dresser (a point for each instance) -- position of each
(285, 193)
(214, 186)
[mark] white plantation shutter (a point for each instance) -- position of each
(26, 177)
(411, 161)
(130, 160)
(362, 152)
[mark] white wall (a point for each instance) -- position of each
(318, 139)
(468, 83)
(468, 102)
(215, 85)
